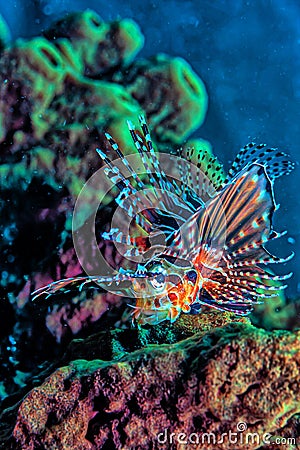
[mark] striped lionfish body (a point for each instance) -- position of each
(201, 238)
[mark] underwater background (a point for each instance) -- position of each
(205, 372)
(247, 54)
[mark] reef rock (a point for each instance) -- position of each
(232, 386)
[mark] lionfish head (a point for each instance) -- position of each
(163, 288)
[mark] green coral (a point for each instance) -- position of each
(92, 46)
(173, 113)
(5, 34)
(47, 84)
(49, 102)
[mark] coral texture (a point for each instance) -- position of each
(209, 383)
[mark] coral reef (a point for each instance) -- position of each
(59, 93)
(219, 382)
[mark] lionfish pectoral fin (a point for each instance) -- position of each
(248, 204)
(65, 285)
(272, 277)
(241, 309)
(241, 218)
(60, 285)
(238, 215)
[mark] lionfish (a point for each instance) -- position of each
(214, 227)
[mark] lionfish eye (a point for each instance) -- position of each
(192, 276)
(160, 278)
(159, 281)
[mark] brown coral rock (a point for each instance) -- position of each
(190, 324)
(205, 384)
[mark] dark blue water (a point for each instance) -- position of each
(247, 53)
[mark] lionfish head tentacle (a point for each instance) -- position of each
(66, 285)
